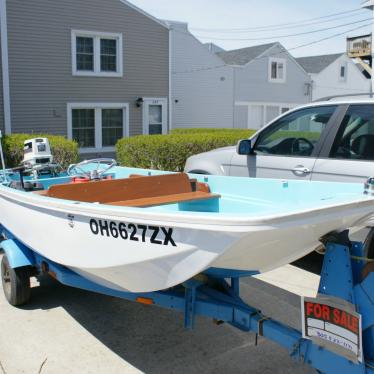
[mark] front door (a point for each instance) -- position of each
(155, 116)
(288, 147)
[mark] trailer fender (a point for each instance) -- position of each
(18, 255)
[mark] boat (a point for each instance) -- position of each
(144, 230)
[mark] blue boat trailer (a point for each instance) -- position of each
(347, 277)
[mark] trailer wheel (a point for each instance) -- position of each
(369, 244)
(16, 283)
(368, 253)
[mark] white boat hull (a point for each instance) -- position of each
(143, 251)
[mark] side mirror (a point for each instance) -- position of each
(244, 147)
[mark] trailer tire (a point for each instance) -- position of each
(16, 283)
(368, 253)
(369, 245)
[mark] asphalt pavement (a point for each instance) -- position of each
(66, 330)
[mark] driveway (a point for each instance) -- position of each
(66, 330)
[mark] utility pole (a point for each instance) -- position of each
(369, 4)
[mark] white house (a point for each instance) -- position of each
(334, 74)
(243, 88)
(201, 83)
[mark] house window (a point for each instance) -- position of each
(83, 127)
(343, 72)
(97, 127)
(85, 54)
(108, 55)
(96, 53)
(155, 119)
(277, 70)
(112, 126)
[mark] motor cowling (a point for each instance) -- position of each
(37, 151)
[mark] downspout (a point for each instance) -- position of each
(170, 80)
(5, 66)
(233, 95)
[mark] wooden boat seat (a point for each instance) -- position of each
(41, 192)
(166, 199)
(136, 191)
(196, 186)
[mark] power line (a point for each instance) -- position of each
(200, 69)
(329, 37)
(274, 54)
(256, 30)
(279, 24)
(288, 35)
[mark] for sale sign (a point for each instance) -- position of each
(336, 327)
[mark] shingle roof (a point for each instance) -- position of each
(315, 64)
(244, 55)
(214, 47)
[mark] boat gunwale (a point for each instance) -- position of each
(206, 218)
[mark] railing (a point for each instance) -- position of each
(359, 46)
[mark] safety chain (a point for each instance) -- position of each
(366, 259)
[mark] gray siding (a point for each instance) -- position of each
(252, 85)
(41, 80)
(2, 125)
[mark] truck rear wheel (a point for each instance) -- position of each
(16, 283)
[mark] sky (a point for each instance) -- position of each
(227, 15)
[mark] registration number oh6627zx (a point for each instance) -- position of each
(131, 231)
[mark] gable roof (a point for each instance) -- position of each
(214, 47)
(315, 64)
(244, 55)
(141, 11)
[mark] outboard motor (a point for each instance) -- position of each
(36, 152)
(38, 159)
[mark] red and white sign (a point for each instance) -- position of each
(335, 327)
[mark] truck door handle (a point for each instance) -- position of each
(301, 170)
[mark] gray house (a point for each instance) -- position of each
(268, 81)
(92, 70)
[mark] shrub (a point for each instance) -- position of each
(170, 152)
(239, 132)
(65, 152)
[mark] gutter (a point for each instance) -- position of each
(170, 79)
(5, 66)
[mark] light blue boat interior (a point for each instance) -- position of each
(243, 195)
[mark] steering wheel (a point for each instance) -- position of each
(262, 149)
(297, 141)
(96, 173)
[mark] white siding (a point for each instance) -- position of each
(241, 117)
(328, 82)
(202, 86)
